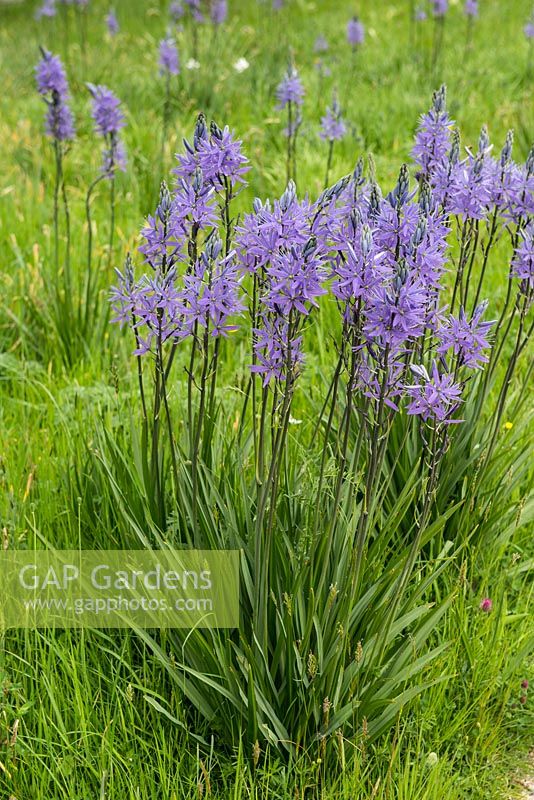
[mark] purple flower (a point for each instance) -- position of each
(59, 122)
(112, 23)
(440, 7)
(109, 120)
(269, 231)
(355, 32)
(466, 338)
(321, 45)
(219, 11)
(529, 29)
(176, 10)
(420, 14)
(433, 135)
(106, 111)
(276, 351)
(47, 9)
(362, 270)
(333, 127)
(523, 262)
(436, 397)
(211, 293)
(296, 278)
(397, 312)
(486, 605)
(195, 10)
(290, 89)
(53, 87)
(50, 75)
(471, 8)
(471, 188)
(168, 57)
(217, 154)
(524, 684)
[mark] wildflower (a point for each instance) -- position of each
(109, 120)
(106, 112)
(529, 28)
(436, 397)
(508, 426)
(46, 9)
(420, 14)
(440, 7)
(219, 11)
(432, 759)
(218, 155)
(192, 63)
(241, 65)
(211, 291)
(278, 354)
(471, 188)
(322, 68)
(433, 136)
(471, 8)
(176, 10)
(296, 278)
(523, 699)
(333, 127)
(524, 684)
(195, 10)
(466, 338)
(321, 45)
(290, 89)
(486, 605)
(355, 32)
(112, 22)
(168, 57)
(396, 311)
(53, 87)
(523, 262)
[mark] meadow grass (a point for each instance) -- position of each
(98, 714)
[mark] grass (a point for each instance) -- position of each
(96, 713)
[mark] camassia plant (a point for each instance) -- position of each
(72, 310)
(345, 522)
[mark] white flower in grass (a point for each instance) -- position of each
(192, 64)
(241, 65)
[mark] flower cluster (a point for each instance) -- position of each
(333, 127)
(109, 120)
(290, 89)
(440, 7)
(195, 280)
(169, 63)
(433, 135)
(53, 87)
(471, 8)
(472, 186)
(112, 23)
(218, 155)
(219, 11)
(194, 9)
(523, 262)
(355, 32)
(380, 256)
(46, 9)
